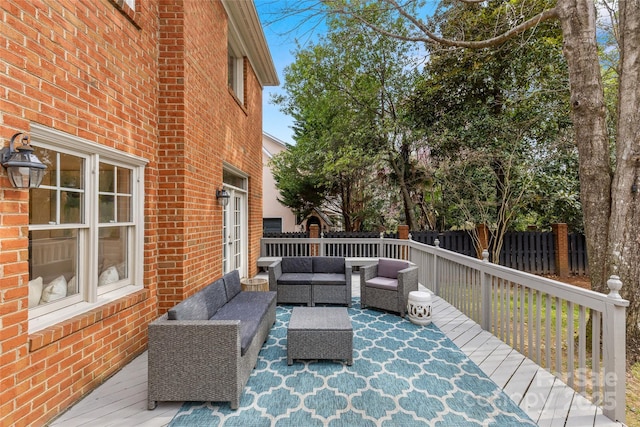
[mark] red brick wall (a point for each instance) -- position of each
(201, 125)
(96, 71)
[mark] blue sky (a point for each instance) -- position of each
(281, 34)
(274, 122)
(281, 38)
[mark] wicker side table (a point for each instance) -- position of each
(320, 333)
(255, 284)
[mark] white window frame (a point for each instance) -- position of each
(235, 57)
(91, 296)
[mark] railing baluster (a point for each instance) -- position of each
(547, 319)
(570, 345)
(596, 318)
(558, 371)
(522, 322)
(582, 353)
(538, 300)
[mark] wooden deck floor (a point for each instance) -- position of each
(122, 400)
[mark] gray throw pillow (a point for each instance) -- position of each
(390, 267)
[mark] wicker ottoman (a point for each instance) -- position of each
(320, 333)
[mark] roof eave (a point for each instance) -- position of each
(244, 17)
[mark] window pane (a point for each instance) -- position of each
(71, 171)
(50, 160)
(230, 68)
(124, 180)
(107, 178)
(71, 212)
(112, 255)
(107, 208)
(42, 206)
(52, 265)
(124, 208)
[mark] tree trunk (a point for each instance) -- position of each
(399, 167)
(578, 20)
(624, 227)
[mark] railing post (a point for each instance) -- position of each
(485, 291)
(314, 233)
(403, 234)
(614, 353)
(381, 246)
(434, 281)
(561, 240)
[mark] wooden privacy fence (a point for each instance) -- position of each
(576, 334)
(531, 251)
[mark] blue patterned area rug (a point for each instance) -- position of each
(402, 375)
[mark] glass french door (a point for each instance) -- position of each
(235, 232)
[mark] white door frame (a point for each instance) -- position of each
(235, 229)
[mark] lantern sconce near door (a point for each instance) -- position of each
(223, 197)
(24, 168)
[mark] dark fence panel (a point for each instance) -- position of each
(457, 241)
(291, 235)
(531, 251)
(578, 263)
(358, 235)
(348, 250)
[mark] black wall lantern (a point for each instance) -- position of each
(223, 197)
(24, 168)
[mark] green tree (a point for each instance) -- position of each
(347, 94)
(489, 114)
(608, 189)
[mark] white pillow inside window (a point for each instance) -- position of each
(110, 275)
(55, 290)
(122, 270)
(35, 291)
(72, 286)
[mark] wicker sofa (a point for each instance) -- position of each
(311, 280)
(205, 348)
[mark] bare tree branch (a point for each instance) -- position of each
(432, 37)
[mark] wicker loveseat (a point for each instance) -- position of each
(311, 280)
(205, 348)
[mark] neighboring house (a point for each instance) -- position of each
(142, 111)
(276, 217)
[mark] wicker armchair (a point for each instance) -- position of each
(386, 285)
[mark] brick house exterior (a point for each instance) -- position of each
(166, 93)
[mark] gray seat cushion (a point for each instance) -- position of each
(382, 283)
(249, 308)
(201, 305)
(295, 279)
(328, 279)
(328, 265)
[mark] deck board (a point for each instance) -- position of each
(122, 400)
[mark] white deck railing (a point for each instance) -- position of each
(574, 333)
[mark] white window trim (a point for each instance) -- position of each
(236, 50)
(44, 136)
